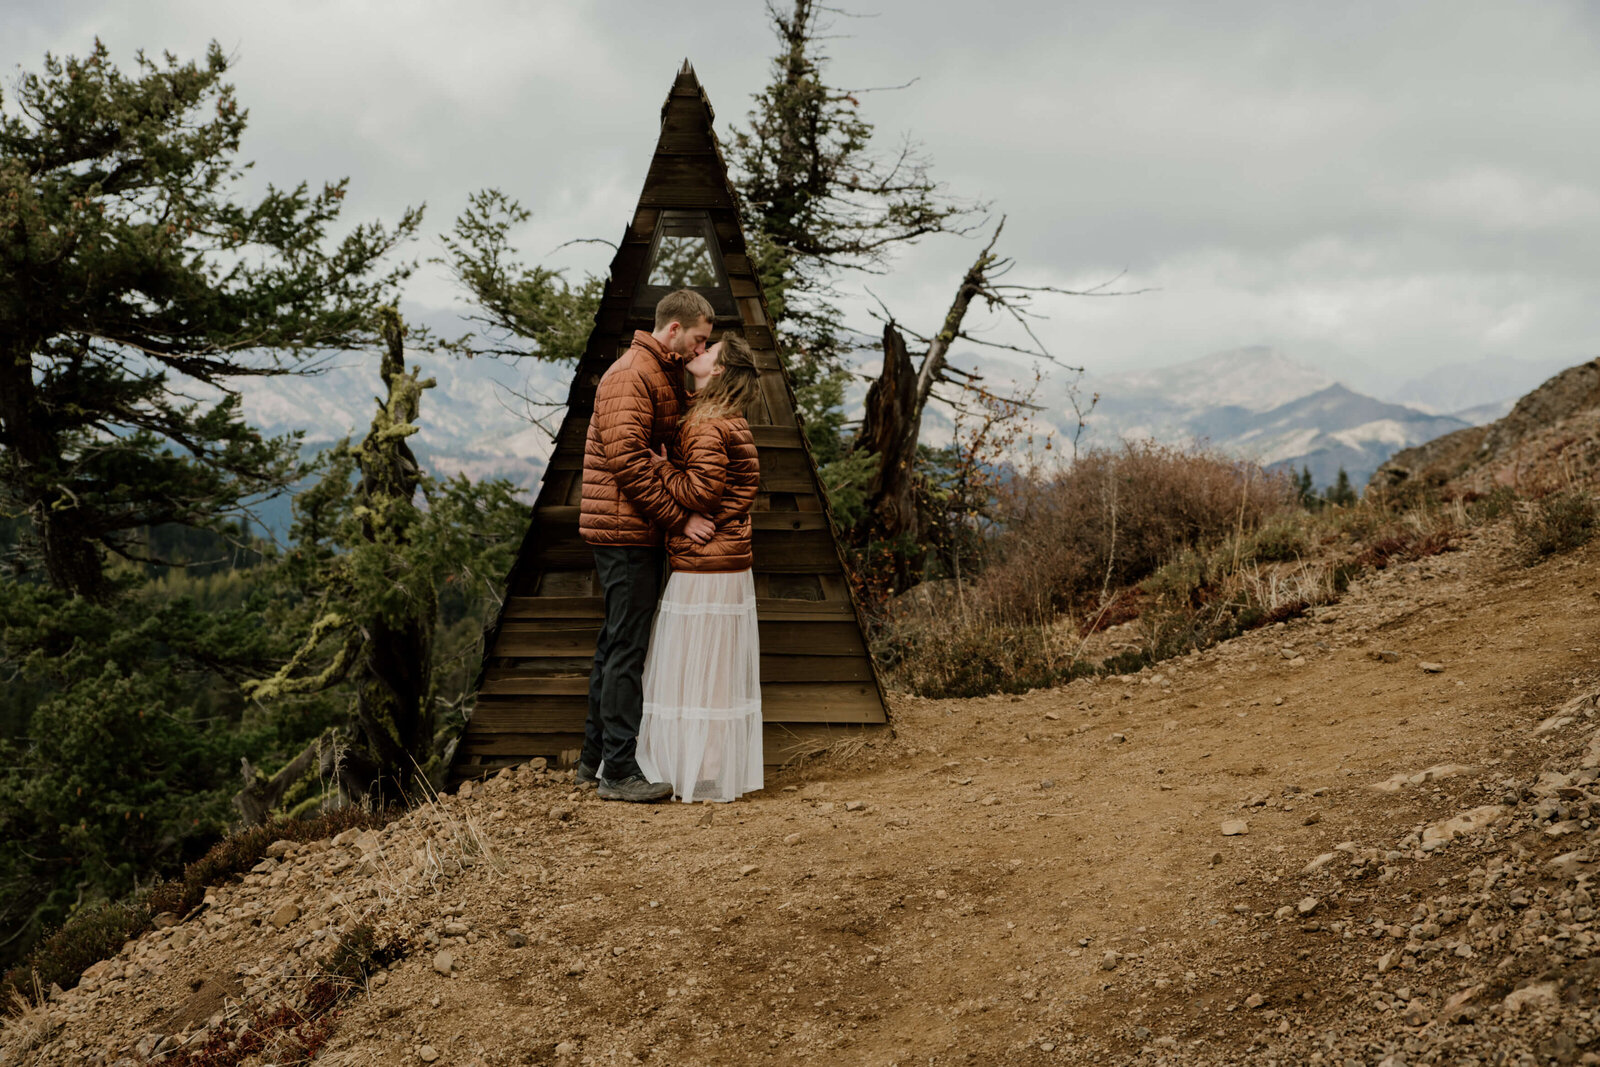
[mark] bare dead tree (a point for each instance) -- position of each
(897, 399)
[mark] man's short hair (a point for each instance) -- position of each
(684, 306)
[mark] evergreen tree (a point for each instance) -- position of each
(821, 202)
(1304, 489)
(123, 765)
(378, 545)
(1341, 493)
(518, 304)
(133, 280)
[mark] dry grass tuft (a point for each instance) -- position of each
(25, 1027)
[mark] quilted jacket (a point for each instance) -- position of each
(636, 409)
(717, 474)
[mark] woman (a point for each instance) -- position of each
(701, 729)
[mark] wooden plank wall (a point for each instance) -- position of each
(818, 683)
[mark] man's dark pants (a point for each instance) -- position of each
(631, 581)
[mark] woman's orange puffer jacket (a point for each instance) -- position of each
(718, 474)
(635, 409)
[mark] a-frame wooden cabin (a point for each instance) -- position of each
(817, 679)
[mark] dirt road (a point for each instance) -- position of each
(1042, 879)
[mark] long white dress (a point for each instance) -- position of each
(701, 729)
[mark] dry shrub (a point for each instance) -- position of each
(1279, 541)
(956, 654)
(1120, 607)
(29, 1025)
(1194, 548)
(1114, 517)
(356, 956)
(1560, 522)
(281, 1035)
(1210, 595)
(60, 959)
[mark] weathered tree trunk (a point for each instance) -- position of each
(889, 430)
(71, 560)
(892, 425)
(394, 721)
(261, 795)
(974, 283)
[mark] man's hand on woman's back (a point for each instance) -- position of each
(699, 528)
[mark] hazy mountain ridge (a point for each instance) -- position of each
(474, 422)
(1261, 404)
(1255, 402)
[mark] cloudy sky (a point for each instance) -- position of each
(1382, 189)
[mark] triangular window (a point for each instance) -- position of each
(684, 255)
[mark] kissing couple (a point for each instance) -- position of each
(670, 477)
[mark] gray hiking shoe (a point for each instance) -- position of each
(637, 789)
(583, 774)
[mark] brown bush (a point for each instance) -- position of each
(1112, 519)
(949, 655)
(1560, 522)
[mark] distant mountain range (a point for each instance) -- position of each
(1254, 402)
(1261, 404)
(477, 420)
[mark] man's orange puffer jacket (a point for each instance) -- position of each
(717, 475)
(636, 409)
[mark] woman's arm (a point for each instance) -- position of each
(743, 477)
(697, 484)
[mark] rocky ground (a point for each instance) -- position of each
(1360, 838)
(1549, 440)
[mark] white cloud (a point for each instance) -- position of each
(1379, 188)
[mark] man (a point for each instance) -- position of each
(626, 511)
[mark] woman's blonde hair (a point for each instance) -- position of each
(732, 391)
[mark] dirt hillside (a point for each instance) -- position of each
(1362, 837)
(1550, 439)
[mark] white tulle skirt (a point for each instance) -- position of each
(701, 729)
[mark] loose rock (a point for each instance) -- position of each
(1467, 822)
(1540, 996)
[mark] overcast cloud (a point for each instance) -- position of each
(1379, 188)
